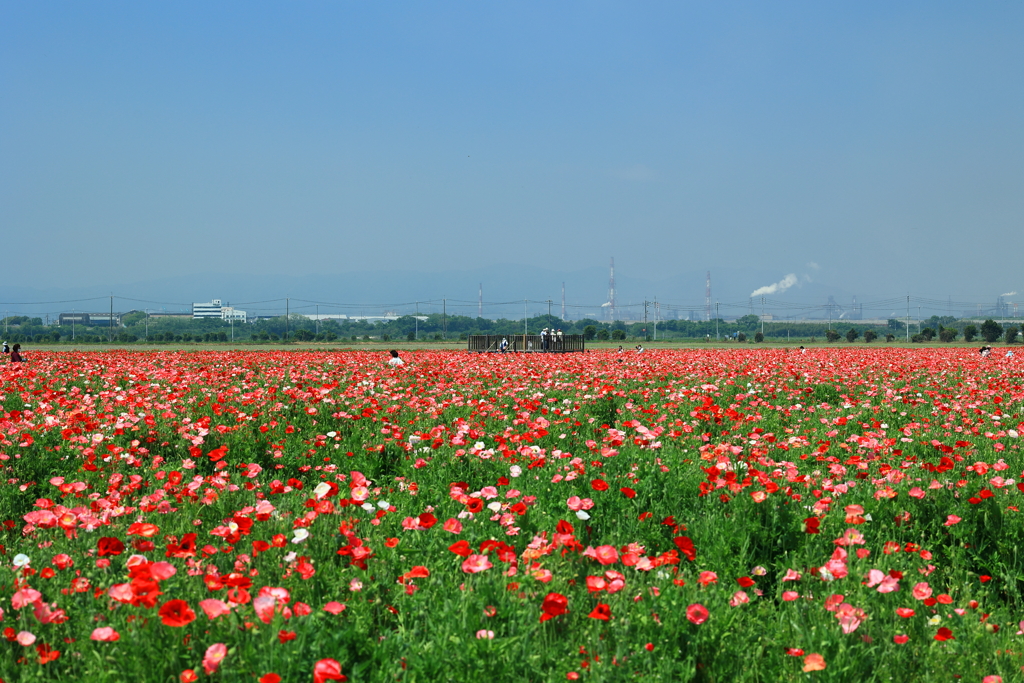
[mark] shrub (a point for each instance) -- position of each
(832, 335)
(970, 332)
(870, 336)
(1011, 334)
(852, 335)
(758, 337)
(991, 330)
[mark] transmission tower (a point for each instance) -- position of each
(611, 290)
(480, 303)
(707, 299)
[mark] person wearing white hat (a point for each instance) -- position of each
(544, 339)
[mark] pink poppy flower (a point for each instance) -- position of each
(105, 634)
(334, 607)
(214, 654)
(474, 564)
(214, 608)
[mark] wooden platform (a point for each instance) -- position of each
(527, 343)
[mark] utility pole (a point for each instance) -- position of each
(444, 318)
(318, 318)
(287, 314)
(655, 320)
(110, 323)
(549, 308)
(762, 316)
(908, 318)
(717, 316)
(147, 326)
(645, 319)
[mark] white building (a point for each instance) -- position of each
(229, 313)
(215, 309)
(208, 310)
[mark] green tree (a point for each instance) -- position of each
(589, 332)
(741, 337)
(618, 335)
(832, 335)
(970, 332)
(602, 334)
(747, 322)
(928, 333)
(758, 337)
(1011, 334)
(947, 334)
(991, 330)
(870, 336)
(852, 335)
(894, 324)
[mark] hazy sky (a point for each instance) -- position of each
(875, 146)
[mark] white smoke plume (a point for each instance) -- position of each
(777, 288)
(1009, 294)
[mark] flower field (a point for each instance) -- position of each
(712, 515)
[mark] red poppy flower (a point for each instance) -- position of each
(109, 546)
(461, 548)
(602, 612)
(686, 547)
(599, 485)
(628, 492)
(811, 525)
(554, 604)
(176, 613)
(745, 581)
(327, 670)
(944, 634)
(697, 613)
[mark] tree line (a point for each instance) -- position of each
(136, 326)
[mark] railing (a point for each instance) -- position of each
(526, 343)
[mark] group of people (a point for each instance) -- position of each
(986, 351)
(551, 339)
(14, 352)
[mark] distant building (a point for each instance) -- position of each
(94, 319)
(229, 313)
(208, 310)
(215, 309)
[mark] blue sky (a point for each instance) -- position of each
(870, 147)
